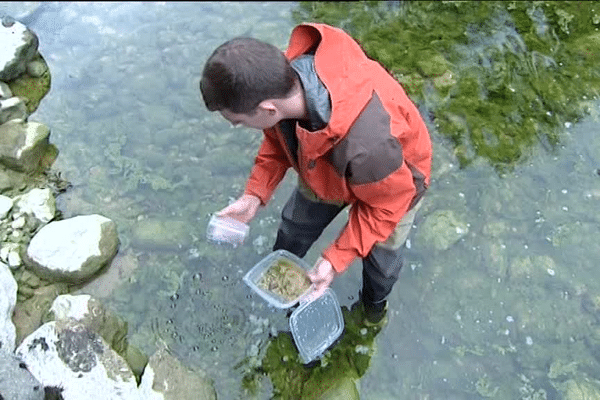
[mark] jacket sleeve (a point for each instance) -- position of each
(373, 217)
(270, 166)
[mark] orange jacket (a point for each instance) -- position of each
(374, 154)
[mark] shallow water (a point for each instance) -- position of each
(510, 306)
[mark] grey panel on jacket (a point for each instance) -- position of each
(369, 152)
(317, 98)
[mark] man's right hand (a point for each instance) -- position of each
(243, 209)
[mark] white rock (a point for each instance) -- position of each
(5, 91)
(146, 391)
(19, 46)
(18, 223)
(68, 355)
(14, 259)
(8, 299)
(16, 382)
(73, 249)
(23, 144)
(6, 204)
(37, 202)
(67, 307)
(6, 249)
(13, 108)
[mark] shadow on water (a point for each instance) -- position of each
(498, 297)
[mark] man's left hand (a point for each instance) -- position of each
(321, 275)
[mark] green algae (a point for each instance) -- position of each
(515, 72)
(346, 362)
(32, 89)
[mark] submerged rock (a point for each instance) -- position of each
(166, 378)
(532, 267)
(159, 233)
(345, 389)
(442, 229)
(579, 389)
(119, 272)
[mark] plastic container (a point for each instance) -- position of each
(254, 276)
(316, 325)
(225, 230)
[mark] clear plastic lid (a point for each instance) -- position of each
(225, 230)
(316, 325)
(282, 288)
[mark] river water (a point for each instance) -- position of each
(509, 311)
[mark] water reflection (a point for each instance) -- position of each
(510, 310)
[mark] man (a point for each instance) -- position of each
(351, 133)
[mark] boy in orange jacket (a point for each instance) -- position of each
(351, 133)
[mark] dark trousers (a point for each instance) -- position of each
(303, 221)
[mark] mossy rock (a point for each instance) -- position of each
(332, 377)
(31, 88)
(160, 233)
(345, 389)
(532, 267)
(442, 229)
(579, 388)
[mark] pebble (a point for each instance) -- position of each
(528, 341)
(14, 259)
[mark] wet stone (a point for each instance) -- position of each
(78, 349)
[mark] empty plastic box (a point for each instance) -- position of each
(225, 230)
(316, 325)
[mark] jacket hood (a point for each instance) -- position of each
(318, 101)
(338, 63)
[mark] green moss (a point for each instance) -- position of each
(514, 72)
(30, 88)
(347, 359)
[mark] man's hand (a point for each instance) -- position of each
(321, 275)
(243, 209)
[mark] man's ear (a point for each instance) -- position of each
(268, 106)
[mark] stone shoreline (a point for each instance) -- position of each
(50, 338)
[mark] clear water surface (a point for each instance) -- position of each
(511, 310)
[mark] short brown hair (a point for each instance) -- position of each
(243, 72)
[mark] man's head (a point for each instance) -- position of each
(241, 76)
